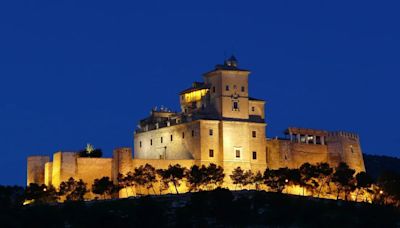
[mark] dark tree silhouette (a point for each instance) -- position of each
(364, 181)
(258, 180)
(195, 177)
(149, 173)
(73, 190)
(276, 180)
(343, 179)
(248, 178)
(174, 174)
(104, 187)
(308, 177)
(11, 197)
(324, 175)
(389, 188)
(214, 175)
(237, 177)
(41, 194)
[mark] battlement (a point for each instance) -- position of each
(344, 134)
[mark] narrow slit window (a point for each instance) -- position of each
(211, 153)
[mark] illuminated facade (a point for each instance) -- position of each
(218, 123)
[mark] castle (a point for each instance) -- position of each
(219, 123)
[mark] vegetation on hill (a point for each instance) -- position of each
(219, 207)
(377, 165)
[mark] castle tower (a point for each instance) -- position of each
(122, 162)
(64, 166)
(228, 89)
(345, 147)
(36, 169)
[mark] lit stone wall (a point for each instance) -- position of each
(344, 146)
(258, 108)
(187, 147)
(64, 167)
(222, 98)
(210, 142)
(89, 169)
(36, 168)
(273, 154)
(48, 173)
(122, 162)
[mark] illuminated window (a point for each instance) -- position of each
(254, 134)
(351, 149)
(254, 155)
(243, 89)
(171, 138)
(211, 153)
(227, 88)
(211, 132)
(303, 139)
(183, 135)
(161, 140)
(140, 144)
(151, 142)
(237, 153)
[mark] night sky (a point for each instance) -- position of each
(77, 72)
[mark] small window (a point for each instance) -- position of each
(140, 144)
(254, 134)
(351, 149)
(235, 105)
(254, 155)
(243, 89)
(171, 138)
(151, 142)
(213, 89)
(183, 135)
(227, 88)
(192, 133)
(182, 97)
(211, 132)
(211, 153)
(237, 153)
(253, 109)
(161, 140)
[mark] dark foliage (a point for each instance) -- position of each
(96, 153)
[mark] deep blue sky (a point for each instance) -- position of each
(73, 72)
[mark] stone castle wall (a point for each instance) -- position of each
(36, 169)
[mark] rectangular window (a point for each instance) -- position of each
(151, 142)
(242, 88)
(211, 132)
(211, 153)
(235, 105)
(227, 88)
(183, 135)
(253, 109)
(171, 138)
(302, 138)
(161, 140)
(140, 144)
(254, 155)
(192, 133)
(237, 153)
(318, 140)
(254, 134)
